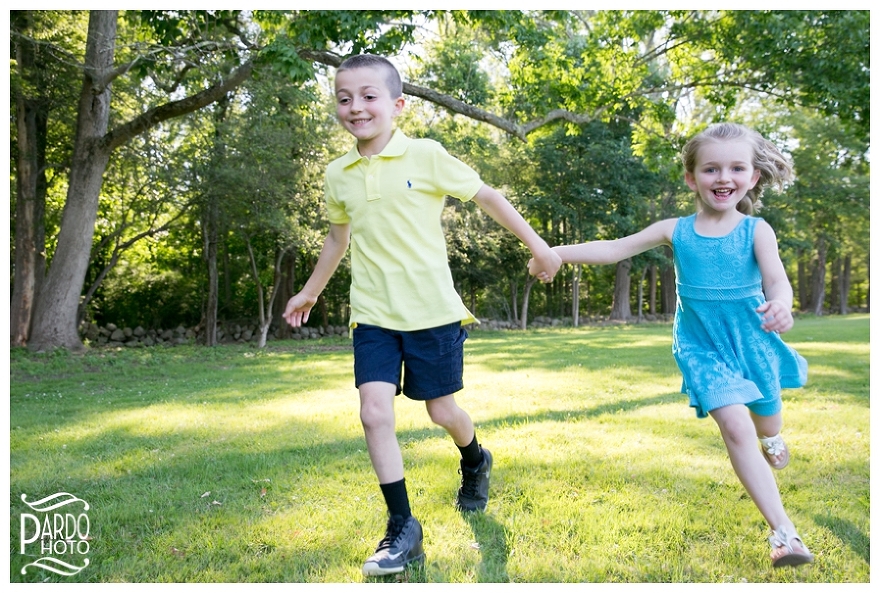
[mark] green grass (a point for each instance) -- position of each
(237, 465)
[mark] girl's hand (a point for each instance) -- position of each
(777, 317)
(535, 270)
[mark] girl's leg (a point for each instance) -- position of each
(767, 426)
(444, 411)
(739, 433)
(770, 426)
(377, 418)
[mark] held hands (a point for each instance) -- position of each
(544, 264)
(298, 308)
(776, 317)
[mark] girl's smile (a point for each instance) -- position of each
(723, 174)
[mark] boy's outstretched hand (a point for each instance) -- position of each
(545, 264)
(298, 308)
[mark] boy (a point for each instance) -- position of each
(385, 197)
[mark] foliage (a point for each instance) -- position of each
(55, 37)
(347, 31)
(609, 97)
(588, 185)
(809, 58)
(452, 64)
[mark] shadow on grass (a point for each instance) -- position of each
(259, 475)
(848, 533)
(415, 572)
(491, 537)
(122, 527)
(574, 414)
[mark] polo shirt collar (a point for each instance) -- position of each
(395, 147)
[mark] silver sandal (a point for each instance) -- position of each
(788, 549)
(775, 446)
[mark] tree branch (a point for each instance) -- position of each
(454, 105)
(122, 134)
(118, 249)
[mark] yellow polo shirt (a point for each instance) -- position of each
(400, 277)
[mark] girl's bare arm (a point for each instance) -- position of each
(609, 252)
(777, 288)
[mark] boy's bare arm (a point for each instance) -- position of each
(300, 305)
(497, 206)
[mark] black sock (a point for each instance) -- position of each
(396, 498)
(472, 455)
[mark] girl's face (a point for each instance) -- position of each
(723, 173)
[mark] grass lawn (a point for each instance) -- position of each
(237, 465)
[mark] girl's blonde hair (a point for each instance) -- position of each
(774, 166)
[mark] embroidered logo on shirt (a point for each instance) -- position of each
(408, 184)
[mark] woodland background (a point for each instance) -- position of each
(166, 167)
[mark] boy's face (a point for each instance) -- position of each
(365, 107)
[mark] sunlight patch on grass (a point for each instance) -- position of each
(818, 348)
(236, 465)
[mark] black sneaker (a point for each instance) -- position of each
(401, 545)
(474, 492)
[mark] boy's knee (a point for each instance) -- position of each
(443, 414)
(375, 416)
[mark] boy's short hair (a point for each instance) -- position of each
(392, 76)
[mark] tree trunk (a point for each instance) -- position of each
(30, 200)
(514, 291)
(527, 290)
(652, 291)
(57, 304)
(803, 284)
(227, 277)
(667, 286)
(834, 296)
(818, 282)
(324, 309)
(845, 284)
(286, 289)
(620, 309)
(277, 281)
(641, 291)
(210, 234)
(264, 309)
(576, 295)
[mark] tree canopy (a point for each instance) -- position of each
(176, 156)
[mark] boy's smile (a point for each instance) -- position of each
(365, 107)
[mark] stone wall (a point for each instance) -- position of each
(227, 333)
(111, 335)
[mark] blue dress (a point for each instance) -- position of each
(723, 354)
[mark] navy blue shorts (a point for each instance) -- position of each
(432, 359)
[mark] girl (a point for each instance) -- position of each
(734, 299)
